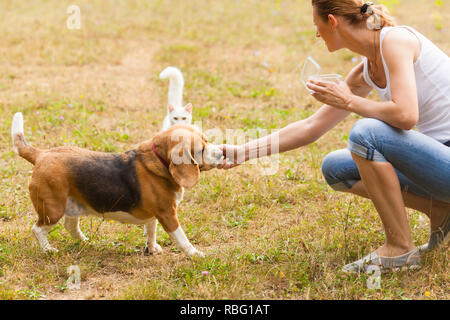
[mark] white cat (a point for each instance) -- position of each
(176, 113)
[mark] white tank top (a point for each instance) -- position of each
(432, 71)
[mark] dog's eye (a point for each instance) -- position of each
(176, 118)
(184, 118)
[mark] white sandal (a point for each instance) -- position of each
(410, 260)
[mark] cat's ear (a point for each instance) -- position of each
(188, 107)
(171, 108)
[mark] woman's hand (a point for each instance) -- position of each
(336, 94)
(233, 156)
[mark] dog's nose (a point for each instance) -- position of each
(217, 153)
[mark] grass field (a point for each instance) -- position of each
(283, 236)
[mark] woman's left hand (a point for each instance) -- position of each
(336, 94)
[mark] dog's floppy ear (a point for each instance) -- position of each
(183, 167)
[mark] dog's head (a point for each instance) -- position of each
(187, 152)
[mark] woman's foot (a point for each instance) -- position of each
(439, 235)
(394, 251)
(410, 260)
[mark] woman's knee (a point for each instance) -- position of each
(330, 164)
(366, 130)
(339, 170)
(366, 138)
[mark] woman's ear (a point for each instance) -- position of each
(333, 21)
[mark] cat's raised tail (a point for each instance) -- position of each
(175, 86)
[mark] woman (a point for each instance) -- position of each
(386, 161)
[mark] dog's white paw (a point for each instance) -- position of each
(49, 249)
(79, 236)
(83, 238)
(153, 249)
(196, 253)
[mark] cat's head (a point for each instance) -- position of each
(181, 114)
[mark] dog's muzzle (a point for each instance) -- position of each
(213, 156)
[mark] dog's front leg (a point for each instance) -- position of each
(182, 242)
(171, 225)
(150, 232)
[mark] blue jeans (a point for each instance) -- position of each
(422, 163)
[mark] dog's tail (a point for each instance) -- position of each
(18, 139)
(175, 86)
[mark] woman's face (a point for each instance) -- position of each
(324, 30)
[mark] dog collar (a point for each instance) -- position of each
(164, 162)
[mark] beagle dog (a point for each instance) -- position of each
(140, 186)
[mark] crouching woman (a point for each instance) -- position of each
(386, 161)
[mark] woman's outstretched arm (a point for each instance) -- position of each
(297, 134)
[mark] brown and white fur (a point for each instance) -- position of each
(132, 187)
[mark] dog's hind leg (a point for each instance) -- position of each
(49, 197)
(150, 230)
(40, 233)
(72, 219)
(72, 225)
(49, 214)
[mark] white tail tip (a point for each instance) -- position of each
(170, 72)
(17, 127)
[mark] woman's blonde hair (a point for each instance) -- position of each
(357, 12)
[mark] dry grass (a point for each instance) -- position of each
(284, 236)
